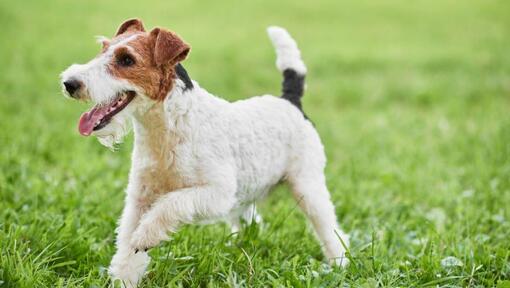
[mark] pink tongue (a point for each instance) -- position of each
(88, 119)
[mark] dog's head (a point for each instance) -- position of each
(134, 70)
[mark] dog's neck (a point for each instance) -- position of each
(158, 127)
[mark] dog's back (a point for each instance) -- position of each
(274, 131)
(271, 135)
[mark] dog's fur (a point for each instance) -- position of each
(197, 157)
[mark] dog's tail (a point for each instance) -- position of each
(288, 61)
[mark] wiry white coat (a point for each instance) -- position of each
(198, 158)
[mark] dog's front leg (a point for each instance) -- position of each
(178, 207)
(127, 266)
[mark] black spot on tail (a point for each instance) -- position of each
(293, 88)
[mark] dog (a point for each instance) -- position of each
(197, 157)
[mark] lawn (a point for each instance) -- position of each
(411, 98)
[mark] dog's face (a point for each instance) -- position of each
(134, 70)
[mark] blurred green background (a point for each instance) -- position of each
(411, 99)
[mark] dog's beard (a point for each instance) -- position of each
(113, 133)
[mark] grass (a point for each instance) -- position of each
(411, 100)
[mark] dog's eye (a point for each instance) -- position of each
(125, 60)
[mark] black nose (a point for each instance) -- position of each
(72, 86)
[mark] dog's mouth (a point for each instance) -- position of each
(101, 114)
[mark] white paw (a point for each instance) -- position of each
(341, 261)
(128, 268)
(336, 250)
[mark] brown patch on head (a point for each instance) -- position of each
(148, 61)
(169, 48)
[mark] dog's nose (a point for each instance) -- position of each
(72, 86)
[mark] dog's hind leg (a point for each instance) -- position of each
(308, 183)
(312, 195)
(247, 216)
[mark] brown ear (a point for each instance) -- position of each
(133, 25)
(168, 47)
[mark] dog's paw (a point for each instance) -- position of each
(143, 239)
(342, 261)
(127, 269)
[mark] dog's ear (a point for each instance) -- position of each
(168, 47)
(131, 25)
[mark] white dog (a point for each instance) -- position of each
(197, 157)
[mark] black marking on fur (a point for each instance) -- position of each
(183, 75)
(293, 86)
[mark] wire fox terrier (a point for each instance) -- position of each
(197, 157)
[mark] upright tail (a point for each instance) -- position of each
(288, 61)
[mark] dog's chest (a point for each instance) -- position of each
(155, 180)
(157, 170)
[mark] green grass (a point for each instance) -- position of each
(411, 99)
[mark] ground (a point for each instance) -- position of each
(411, 100)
